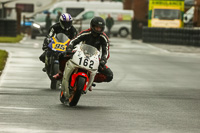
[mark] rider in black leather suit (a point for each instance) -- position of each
(63, 26)
(96, 37)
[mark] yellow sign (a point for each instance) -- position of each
(177, 3)
(166, 13)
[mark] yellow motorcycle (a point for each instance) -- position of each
(57, 45)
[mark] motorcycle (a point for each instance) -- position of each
(57, 45)
(79, 73)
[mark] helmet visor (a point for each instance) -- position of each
(66, 24)
(98, 29)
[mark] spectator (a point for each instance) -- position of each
(109, 24)
(58, 17)
(48, 21)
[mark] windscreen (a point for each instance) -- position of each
(88, 50)
(167, 14)
(60, 37)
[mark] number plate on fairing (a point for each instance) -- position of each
(85, 60)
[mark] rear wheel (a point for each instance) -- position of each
(73, 100)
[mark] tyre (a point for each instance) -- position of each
(55, 83)
(123, 32)
(33, 37)
(77, 92)
(115, 34)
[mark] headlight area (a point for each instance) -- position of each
(36, 25)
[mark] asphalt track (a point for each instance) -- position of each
(153, 91)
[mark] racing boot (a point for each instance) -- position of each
(93, 84)
(58, 76)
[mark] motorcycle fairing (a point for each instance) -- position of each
(75, 75)
(77, 61)
(58, 46)
(69, 69)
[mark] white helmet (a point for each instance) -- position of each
(65, 21)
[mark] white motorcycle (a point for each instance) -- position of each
(79, 73)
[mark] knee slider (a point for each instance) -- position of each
(42, 58)
(109, 77)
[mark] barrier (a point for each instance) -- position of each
(8, 27)
(181, 36)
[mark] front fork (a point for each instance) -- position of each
(49, 63)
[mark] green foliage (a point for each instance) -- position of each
(11, 39)
(3, 58)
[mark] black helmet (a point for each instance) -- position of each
(97, 21)
(65, 21)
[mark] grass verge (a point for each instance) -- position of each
(3, 58)
(11, 39)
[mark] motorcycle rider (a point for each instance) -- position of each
(63, 26)
(94, 36)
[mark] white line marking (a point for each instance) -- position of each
(18, 108)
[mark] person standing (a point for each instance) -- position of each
(48, 21)
(109, 24)
(58, 17)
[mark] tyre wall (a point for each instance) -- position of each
(181, 36)
(8, 27)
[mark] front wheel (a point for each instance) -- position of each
(76, 94)
(33, 37)
(55, 83)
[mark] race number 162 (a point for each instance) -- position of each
(86, 63)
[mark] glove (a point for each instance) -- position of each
(45, 44)
(47, 40)
(68, 52)
(103, 61)
(69, 49)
